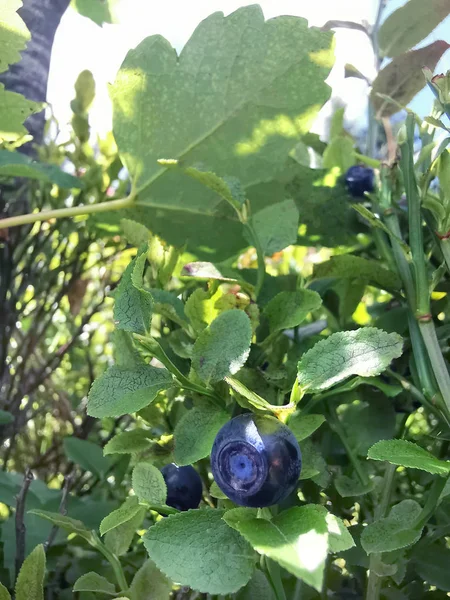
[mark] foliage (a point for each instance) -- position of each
(226, 270)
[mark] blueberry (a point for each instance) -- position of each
(358, 180)
(256, 460)
(184, 486)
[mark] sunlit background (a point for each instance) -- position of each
(81, 44)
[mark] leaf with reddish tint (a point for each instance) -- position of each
(402, 79)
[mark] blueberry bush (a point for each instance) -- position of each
(269, 414)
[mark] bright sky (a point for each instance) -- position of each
(80, 44)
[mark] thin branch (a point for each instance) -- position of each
(62, 510)
(20, 525)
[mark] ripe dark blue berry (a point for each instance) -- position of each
(256, 460)
(184, 486)
(358, 180)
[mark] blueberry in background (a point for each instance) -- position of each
(359, 180)
(184, 486)
(256, 460)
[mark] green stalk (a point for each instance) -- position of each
(114, 562)
(259, 255)
(374, 581)
(445, 248)
(438, 363)
(157, 351)
(432, 501)
(61, 213)
(274, 575)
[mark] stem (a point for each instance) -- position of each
(156, 350)
(415, 221)
(274, 575)
(437, 360)
(20, 525)
(432, 501)
(445, 248)
(374, 581)
(259, 254)
(372, 129)
(60, 213)
(114, 562)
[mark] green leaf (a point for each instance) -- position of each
(367, 352)
(128, 442)
(169, 306)
(14, 110)
(6, 417)
(84, 92)
(15, 164)
(220, 562)
(255, 100)
(14, 34)
(132, 304)
(408, 454)
(148, 484)
(4, 594)
(228, 188)
(339, 538)
(339, 153)
(150, 584)
(87, 455)
(93, 582)
(276, 226)
(30, 581)
(302, 426)
(125, 352)
(99, 11)
(247, 398)
(297, 539)
(118, 540)
(136, 233)
(313, 464)
(66, 523)
(402, 78)
(118, 517)
(289, 309)
(394, 531)
(347, 487)
(257, 588)
(122, 391)
(431, 564)
(347, 266)
(195, 433)
(410, 24)
(216, 492)
(223, 347)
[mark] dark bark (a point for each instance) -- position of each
(30, 76)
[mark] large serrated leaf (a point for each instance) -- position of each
(410, 24)
(30, 581)
(394, 531)
(220, 562)
(120, 391)
(128, 442)
(258, 88)
(408, 454)
(223, 347)
(195, 433)
(4, 594)
(118, 540)
(365, 352)
(297, 539)
(14, 110)
(402, 78)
